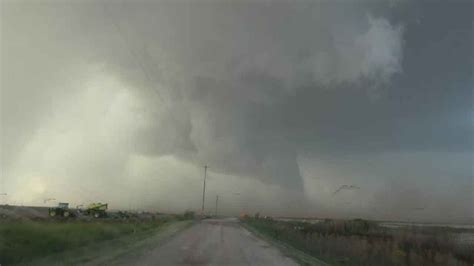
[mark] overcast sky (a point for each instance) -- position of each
(124, 102)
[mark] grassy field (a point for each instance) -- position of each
(360, 242)
(23, 241)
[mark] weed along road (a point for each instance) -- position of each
(213, 242)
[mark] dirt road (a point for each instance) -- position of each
(213, 242)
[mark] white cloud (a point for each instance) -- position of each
(372, 53)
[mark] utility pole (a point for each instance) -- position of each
(204, 189)
(217, 200)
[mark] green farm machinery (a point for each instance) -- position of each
(96, 210)
(62, 210)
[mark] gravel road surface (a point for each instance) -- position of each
(213, 242)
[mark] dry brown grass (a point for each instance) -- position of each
(361, 242)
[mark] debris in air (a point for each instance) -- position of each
(347, 187)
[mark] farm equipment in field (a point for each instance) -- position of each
(62, 210)
(96, 210)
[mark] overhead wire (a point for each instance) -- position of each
(142, 67)
(131, 52)
(140, 64)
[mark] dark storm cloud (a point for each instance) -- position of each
(248, 88)
(264, 88)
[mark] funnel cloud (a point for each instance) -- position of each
(124, 103)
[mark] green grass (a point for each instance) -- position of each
(21, 242)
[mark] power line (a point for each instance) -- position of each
(147, 75)
(132, 54)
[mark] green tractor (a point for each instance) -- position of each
(62, 210)
(96, 210)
